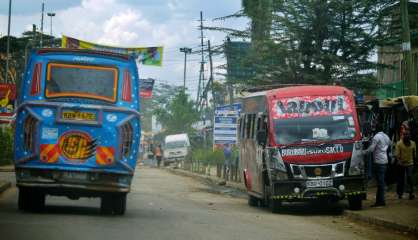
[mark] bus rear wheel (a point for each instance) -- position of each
(113, 203)
(31, 200)
(253, 201)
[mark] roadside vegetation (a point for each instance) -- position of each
(6, 146)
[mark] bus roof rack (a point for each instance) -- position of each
(271, 86)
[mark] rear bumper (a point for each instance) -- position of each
(341, 188)
(61, 182)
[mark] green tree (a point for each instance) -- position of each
(178, 114)
(312, 41)
(162, 95)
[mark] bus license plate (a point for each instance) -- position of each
(74, 176)
(80, 116)
(319, 183)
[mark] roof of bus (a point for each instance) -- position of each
(313, 90)
(82, 51)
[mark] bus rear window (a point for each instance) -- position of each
(72, 80)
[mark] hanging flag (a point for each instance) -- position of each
(146, 87)
(151, 56)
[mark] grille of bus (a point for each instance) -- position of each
(29, 131)
(126, 136)
(312, 171)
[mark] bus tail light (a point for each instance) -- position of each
(36, 80)
(126, 138)
(127, 87)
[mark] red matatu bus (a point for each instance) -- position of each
(301, 143)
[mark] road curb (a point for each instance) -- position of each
(210, 179)
(4, 186)
(8, 168)
(350, 214)
(381, 222)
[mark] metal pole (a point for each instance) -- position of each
(42, 23)
(6, 79)
(52, 38)
(184, 75)
(410, 80)
(186, 51)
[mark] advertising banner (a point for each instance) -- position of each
(226, 125)
(146, 87)
(151, 56)
(7, 102)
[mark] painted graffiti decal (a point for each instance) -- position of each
(75, 145)
(297, 107)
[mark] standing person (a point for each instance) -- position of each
(158, 154)
(379, 147)
(227, 163)
(406, 154)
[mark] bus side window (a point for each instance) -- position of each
(253, 126)
(239, 127)
(242, 130)
(248, 126)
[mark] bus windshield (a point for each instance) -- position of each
(72, 80)
(321, 128)
(176, 144)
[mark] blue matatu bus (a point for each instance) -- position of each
(77, 128)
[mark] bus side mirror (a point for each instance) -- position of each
(261, 137)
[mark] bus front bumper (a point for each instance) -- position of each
(336, 188)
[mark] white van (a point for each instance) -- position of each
(176, 148)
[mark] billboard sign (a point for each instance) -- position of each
(7, 102)
(226, 124)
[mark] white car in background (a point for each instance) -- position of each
(176, 148)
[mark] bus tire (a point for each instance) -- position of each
(275, 205)
(31, 200)
(113, 204)
(252, 201)
(106, 206)
(355, 203)
(119, 204)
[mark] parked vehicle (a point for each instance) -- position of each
(78, 128)
(301, 143)
(176, 148)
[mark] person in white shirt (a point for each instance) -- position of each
(379, 147)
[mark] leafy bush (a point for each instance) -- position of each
(208, 156)
(6, 146)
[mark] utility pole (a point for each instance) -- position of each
(410, 79)
(6, 79)
(42, 22)
(202, 63)
(186, 51)
(51, 14)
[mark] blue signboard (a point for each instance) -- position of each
(225, 124)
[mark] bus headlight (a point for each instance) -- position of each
(277, 161)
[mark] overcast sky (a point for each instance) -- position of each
(169, 23)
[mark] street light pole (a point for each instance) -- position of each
(186, 51)
(42, 23)
(52, 38)
(8, 43)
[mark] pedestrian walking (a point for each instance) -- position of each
(228, 160)
(158, 154)
(379, 147)
(406, 154)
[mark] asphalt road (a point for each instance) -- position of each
(167, 206)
